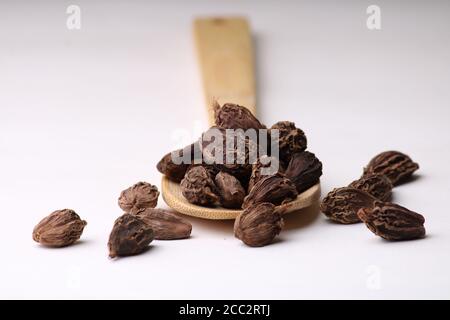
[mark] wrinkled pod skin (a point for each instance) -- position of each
(140, 196)
(396, 166)
(130, 236)
(258, 225)
(291, 140)
(231, 192)
(393, 222)
(165, 224)
(59, 229)
(377, 185)
(272, 165)
(304, 170)
(233, 116)
(342, 204)
(276, 189)
(199, 188)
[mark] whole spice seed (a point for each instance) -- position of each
(140, 196)
(59, 229)
(258, 225)
(304, 170)
(342, 204)
(377, 185)
(165, 224)
(393, 222)
(276, 189)
(129, 236)
(291, 140)
(198, 187)
(231, 192)
(231, 157)
(263, 162)
(233, 116)
(176, 172)
(396, 166)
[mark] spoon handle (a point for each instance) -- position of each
(225, 53)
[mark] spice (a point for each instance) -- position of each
(258, 225)
(140, 196)
(291, 140)
(276, 189)
(198, 187)
(230, 190)
(130, 236)
(377, 185)
(185, 157)
(342, 204)
(165, 224)
(59, 229)
(304, 170)
(233, 116)
(396, 166)
(272, 166)
(393, 222)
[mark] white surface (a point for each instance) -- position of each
(84, 114)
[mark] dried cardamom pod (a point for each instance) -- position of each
(140, 196)
(59, 229)
(342, 204)
(393, 222)
(229, 151)
(377, 185)
(130, 236)
(396, 166)
(276, 189)
(291, 140)
(258, 225)
(304, 170)
(165, 224)
(233, 116)
(198, 187)
(231, 192)
(271, 163)
(186, 156)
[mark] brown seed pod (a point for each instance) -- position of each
(377, 185)
(258, 225)
(231, 192)
(276, 189)
(393, 222)
(291, 140)
(342, 204)
(304, 170)
(166, 225)
(229, 151)
(59, 229)
(233, 116)
(198, 187)
(271, 163)
(130, 236)
(140, 196)
(187, 156)
(396, 166)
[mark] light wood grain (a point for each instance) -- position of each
(225, 55)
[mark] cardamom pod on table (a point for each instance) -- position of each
(258, 225)
(139, 196)
(396, 166)
(130, 236)
(377, 185)
(342, 204)
(393, 222)
(165, 224)
(59, 229)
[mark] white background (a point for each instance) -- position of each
(86, 113)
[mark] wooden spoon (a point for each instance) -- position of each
(225, 55)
